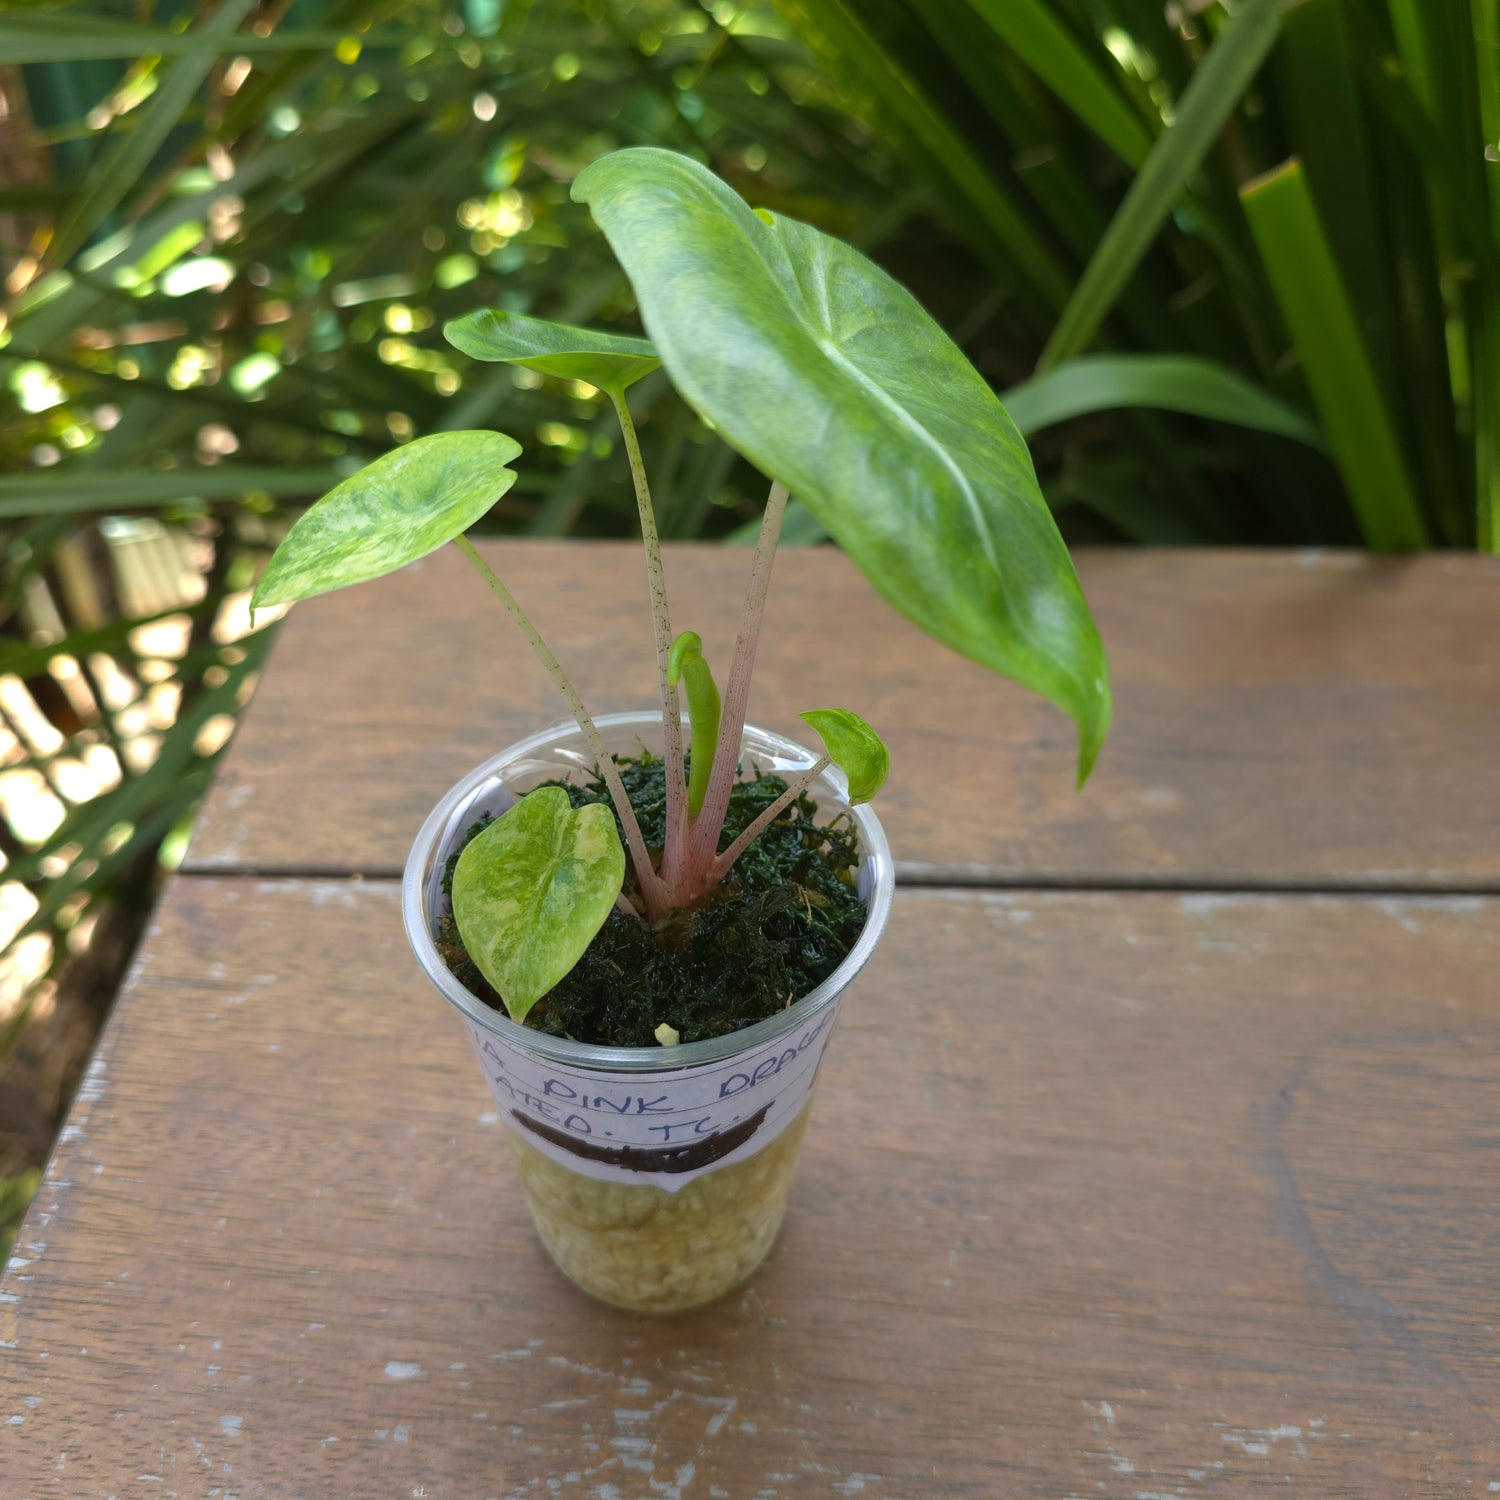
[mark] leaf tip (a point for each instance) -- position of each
(1093, 729)
(689, 643)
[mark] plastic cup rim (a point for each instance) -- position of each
(561, 1050)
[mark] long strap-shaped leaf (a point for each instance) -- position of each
(116, 172)
(46, 37)
(832, 379)
(1206, 104)
(843, 35)
(1306, 281)
(1163, 382)
(1045, 45)
(69, 492)
(1486, 16)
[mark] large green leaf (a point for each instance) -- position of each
(533, 888)
(610, 361)
(1165, 382)
(395, 510)
(831, 378)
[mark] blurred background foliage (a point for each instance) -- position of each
(1233, 268)
(230, 237)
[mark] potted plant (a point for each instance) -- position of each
(612, 909)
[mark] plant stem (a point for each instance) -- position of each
(673, 850)
(653, 893)
(710, 822)
(799, 784)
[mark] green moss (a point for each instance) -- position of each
(782, 922)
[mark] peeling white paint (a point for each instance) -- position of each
(1205, 903)
(1315, 558)
(726, 1405)
(327, 892)
(1259, 1441)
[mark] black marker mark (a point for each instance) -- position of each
(685, 1158)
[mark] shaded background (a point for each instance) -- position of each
(1234, 269)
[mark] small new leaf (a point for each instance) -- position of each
(685, 664)
(532, 889)
(610, 361)
(395, 510)
(854, 748)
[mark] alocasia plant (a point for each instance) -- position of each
(829, 377)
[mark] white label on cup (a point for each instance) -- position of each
(661, 1128)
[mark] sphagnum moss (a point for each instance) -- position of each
(777, 928)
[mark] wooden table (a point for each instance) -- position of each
(1187, 1182)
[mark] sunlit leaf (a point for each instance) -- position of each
(397, 509)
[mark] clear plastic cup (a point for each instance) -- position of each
(656, 1177)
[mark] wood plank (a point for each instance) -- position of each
(1155, 1195)
(1285, 719)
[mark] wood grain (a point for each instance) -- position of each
(1284, 719)
(1116, 1195)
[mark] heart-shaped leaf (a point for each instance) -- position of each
(831, 378)
(533, 888)
(611, 361)
(854, 748)
(395, 510)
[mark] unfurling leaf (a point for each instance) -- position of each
(532, 889)
(829, 377)
(395, 510)
(685, 664)
(854, 748)
(611, 361)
